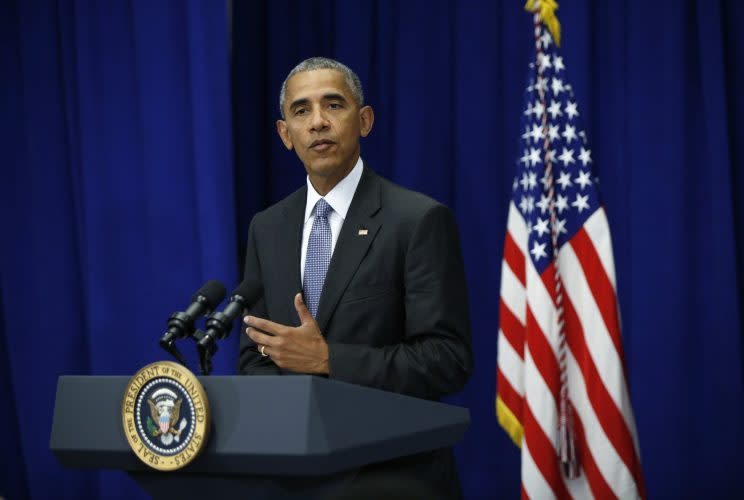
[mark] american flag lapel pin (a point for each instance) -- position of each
(363, 231)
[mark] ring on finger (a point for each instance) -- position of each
(262, 351)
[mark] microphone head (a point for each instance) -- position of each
(212, 293)
(247, 292)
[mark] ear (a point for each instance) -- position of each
(366, 119)
(281, 128)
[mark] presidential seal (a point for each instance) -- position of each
(165, 415)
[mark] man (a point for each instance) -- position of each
(362, 280)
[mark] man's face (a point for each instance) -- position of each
(323, 124)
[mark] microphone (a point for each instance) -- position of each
(219, 324)
(181, 324)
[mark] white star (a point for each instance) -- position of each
(523, 205)
(571, 110)
(583, 179)
(558, 63)
(534, 156)
(545, 180)
(569, 133)
(524, 181)
(554, 109)
(528, 111)
(542, 84)
(538, 109)
(543, 61)
(526, 134)
(567, 157)
(530, 204)
(580, 202)
(515, 184)
(564, 180)
(550, 156)
(557, 86)
(532, 180)
(545, 39)
(541, 227)
(543, 204)
(585, 156)
(537, 132)
(561, 203)
(525, 158)
(553, 132)
(560, 226)
(538, 250)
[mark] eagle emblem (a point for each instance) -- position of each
(165, 410)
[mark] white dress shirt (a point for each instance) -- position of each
(339, 198)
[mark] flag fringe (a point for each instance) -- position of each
(509, 422)
(546, 9)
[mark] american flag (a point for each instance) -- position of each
(559, 332)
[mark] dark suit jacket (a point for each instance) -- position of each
(394, 306)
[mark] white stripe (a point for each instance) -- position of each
(596, 336)
(511, 364)
(598, 229)
(512, 292)
(534, 483)
(579, 487)
(609, 463)
(540, 400)
(541, 306)
(545, 410)
(517, 227)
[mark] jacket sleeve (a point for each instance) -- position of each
(250, 361)
(434, 357)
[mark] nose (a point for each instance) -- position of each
(318, 120)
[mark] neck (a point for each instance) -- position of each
(324, 184)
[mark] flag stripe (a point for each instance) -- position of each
(514, 257)
(598, 230)
(512, 293)
(511, 365)
(600, 286)
(613, 469)
(608, 415)
(542, 450)
(534, 484)
(597, 483)
(598, 344)
(512, 328)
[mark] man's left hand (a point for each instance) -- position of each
(299, 349)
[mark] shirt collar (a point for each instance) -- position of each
(339, 198)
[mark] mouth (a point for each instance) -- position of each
(321, 145)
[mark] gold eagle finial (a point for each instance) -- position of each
(546, 9)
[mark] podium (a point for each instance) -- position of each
(271, 436)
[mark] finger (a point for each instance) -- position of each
(264, 324)
(302, 311)
(260, 338)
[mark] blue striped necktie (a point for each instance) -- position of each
(318, 256)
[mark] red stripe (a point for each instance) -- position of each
(509, 396)
(514, 258)
(544, 455)
(600, 285)
(597, 482)
(512, 328)
(608, 414)
(525, 496)
(543, 355)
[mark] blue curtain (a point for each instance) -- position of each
(122, 195)
(117, 185)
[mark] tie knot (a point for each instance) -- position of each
(322, 208)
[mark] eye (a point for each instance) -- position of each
(300, 111)
(334, 105)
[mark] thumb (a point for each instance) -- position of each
(302, 310)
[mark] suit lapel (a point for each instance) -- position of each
(351, 246)
(288, 247)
